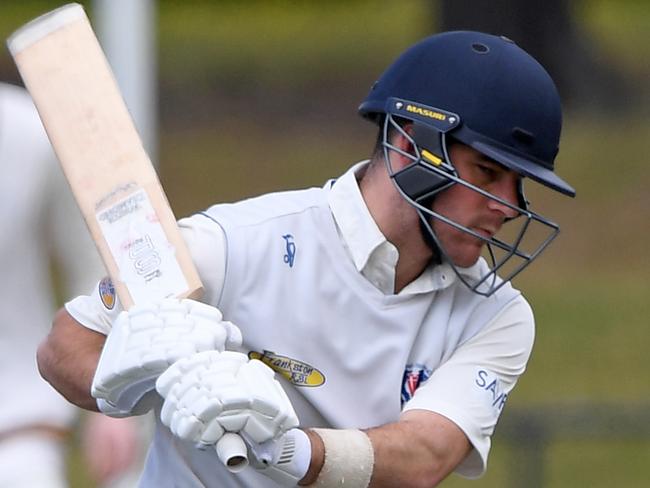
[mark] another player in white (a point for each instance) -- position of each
(42, 230)
(396, 344)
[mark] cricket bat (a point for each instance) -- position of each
(112, 178)
(110, 174)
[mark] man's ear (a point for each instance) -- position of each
(401, 142)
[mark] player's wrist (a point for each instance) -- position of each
(317, 449)
(348, 457)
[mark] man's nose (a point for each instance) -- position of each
(505, 189)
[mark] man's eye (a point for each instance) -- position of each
(487, 170)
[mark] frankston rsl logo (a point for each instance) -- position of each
(414, 374)
(297, 372)
(107, 293)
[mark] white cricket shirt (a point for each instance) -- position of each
(308, 279)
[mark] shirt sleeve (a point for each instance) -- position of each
(472, 387)
(206, 242)
(97, 310)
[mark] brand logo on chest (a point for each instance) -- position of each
(290, 254)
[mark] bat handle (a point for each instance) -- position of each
(232, 452)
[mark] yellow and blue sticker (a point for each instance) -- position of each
(107, 293)
(297, 372)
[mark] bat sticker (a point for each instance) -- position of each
(145, 258)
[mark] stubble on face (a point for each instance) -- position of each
(469, 208)
(462, 248)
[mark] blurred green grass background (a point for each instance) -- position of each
(261, 96)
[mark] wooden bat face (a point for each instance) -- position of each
(102, 156)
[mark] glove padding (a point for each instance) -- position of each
(145, 341)
(212, 393)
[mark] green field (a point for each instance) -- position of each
(261, 96)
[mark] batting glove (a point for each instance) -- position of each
(285, 460)
(145, 341)
(211, 393)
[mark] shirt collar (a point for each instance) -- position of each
(372, 255)
(356, 226)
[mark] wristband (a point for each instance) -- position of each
(349, 459)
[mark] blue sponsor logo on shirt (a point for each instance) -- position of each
(290, 256)
(490, 384)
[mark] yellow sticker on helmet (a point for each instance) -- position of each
(431, 157)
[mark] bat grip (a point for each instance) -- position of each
(232, 452)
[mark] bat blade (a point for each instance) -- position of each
(112, 178)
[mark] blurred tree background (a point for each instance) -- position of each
(259, 96)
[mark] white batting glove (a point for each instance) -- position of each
(211, 393)
(285, 459)
(145, 341)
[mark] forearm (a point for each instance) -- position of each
(416, 452)
(420, 450)
(68, 357)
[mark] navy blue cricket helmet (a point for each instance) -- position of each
(488, 93)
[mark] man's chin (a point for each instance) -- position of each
(468, 258)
